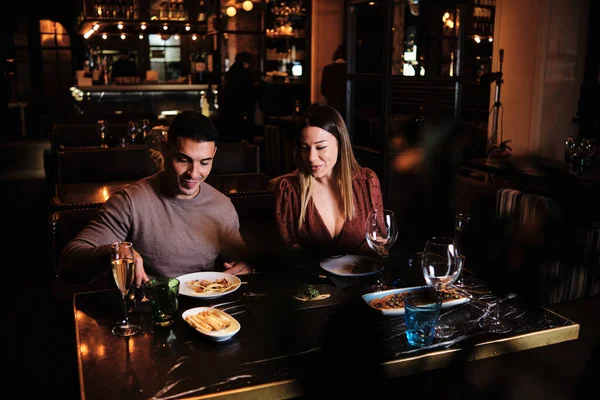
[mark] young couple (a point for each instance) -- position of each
(179, 224)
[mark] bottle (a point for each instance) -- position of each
(202, 13)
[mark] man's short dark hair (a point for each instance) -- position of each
(193, 125)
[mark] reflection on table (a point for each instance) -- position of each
(281, 346)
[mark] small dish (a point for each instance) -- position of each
(369, 297)
(210, 276)
(220, 335)
(346, 265)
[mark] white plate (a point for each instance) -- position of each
(185, 290)
(342, 266)
(217, 336)
(400, 311)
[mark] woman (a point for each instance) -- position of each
(323, 204)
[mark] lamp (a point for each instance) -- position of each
(247, 5)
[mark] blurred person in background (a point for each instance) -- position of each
(124, 66)
(333, 81)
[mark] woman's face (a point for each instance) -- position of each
(319, 151)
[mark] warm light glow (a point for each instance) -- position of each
(143, 26)
(247, 5)
(176, 36)
(104, 36)
(372, 3)
(88, 34)
(231, 11)
(141, 35)
(477, 39)
(100, 351)
(490, 39)
(165, 27)
(450, 24)
(96, 27)
(83, 349)
(194, 37)
(123, 36)
(187, 27)
(120, 25)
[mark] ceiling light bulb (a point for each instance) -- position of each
(143, 26)
(104, 36)
(247, 5)
(231, 11)
(141, 35)
(120, 25)
(187, 27)
(122, 36)
(194, 37)
(165, 27)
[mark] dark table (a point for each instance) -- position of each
(80, 195)
(283, 347)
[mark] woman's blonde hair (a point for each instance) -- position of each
(327, 118)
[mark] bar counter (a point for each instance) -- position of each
(144, 87)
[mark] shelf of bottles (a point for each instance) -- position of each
(287, 45)
(169, 10)
(483, 17)
(116, 9)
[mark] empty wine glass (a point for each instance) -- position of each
(381, 234)
(492, 320)
(101, 130)
(441, 264)
(461, 233)
(133, 128)
(123, 269)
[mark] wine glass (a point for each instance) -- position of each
(381, 234)
(441, 263)
(492, 321)
(102, 129)
(132, 131)
(123, 269)
(461, 233)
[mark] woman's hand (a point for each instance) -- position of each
(237, 268)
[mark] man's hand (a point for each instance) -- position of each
(140, 273)
(237, 268)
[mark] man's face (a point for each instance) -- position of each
(187, 164)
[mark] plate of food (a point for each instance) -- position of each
(350, 265)
(208, 285)
(215, 324)
(391, 302)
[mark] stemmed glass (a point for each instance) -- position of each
(381, 234)
(441, 263)
(123, 269)
(492, 322)
(461, 233)
(101, 129)
(132, 131)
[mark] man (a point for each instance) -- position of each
(124, 67)
(178, 223)
(333, 81)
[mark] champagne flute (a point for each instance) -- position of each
(123, 269)
(381, 234)
(441, 264)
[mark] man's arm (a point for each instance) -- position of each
(87, 256)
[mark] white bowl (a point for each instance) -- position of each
(217, 336)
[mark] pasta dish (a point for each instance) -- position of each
(204, 286)
(396, 300)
